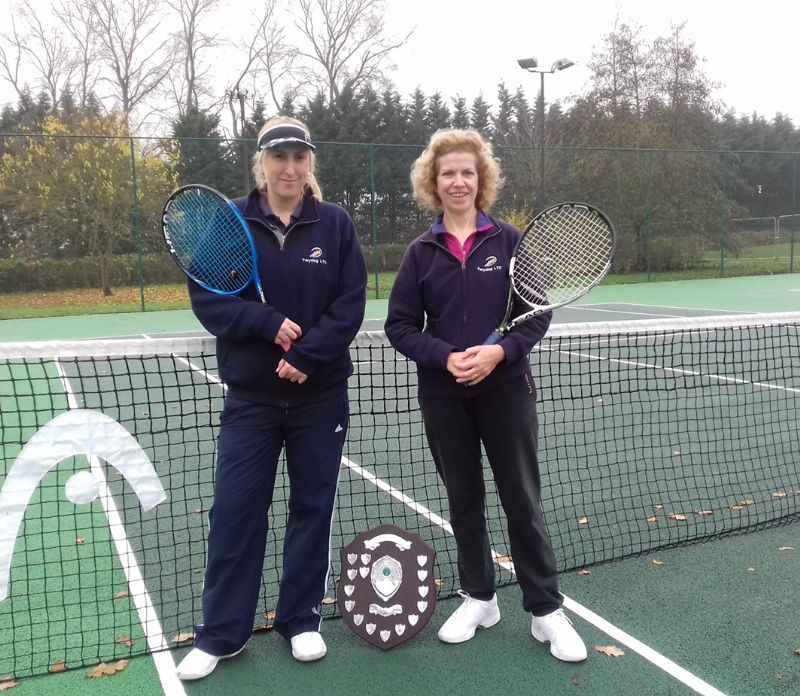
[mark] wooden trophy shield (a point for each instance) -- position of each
(386, 591)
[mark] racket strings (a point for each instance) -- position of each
(208, 240)
(561, 255)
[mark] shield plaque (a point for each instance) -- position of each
(386, 591)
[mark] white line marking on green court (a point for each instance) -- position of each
(663, 663)
(139, 594)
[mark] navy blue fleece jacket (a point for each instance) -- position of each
(317, 278)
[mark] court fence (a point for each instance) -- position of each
(83, 212)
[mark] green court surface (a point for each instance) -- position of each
(712, 618)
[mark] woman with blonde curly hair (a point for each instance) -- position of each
(286, 363)
(449, 295)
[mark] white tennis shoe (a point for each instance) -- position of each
(308, 646)
(556, 628)
(472, 614)
(198, 664)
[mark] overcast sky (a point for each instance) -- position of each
(463, 48)
(752, 46)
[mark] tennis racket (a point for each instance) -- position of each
(563, 253)
(209, 240)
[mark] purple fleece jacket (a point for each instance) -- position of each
(439, 305)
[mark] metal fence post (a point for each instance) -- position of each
(137, 224)
(373, 218)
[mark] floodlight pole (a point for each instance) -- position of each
(531, 65)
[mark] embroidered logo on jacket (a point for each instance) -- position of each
(490, 265)
(315, 256)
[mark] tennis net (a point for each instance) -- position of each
(652, 434)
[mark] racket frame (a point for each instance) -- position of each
(254, 275)
(508, 323)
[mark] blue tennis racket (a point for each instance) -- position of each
(209, 240)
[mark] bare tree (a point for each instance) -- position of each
(11, 52)
(40, 48)
(50, 54)
(266, 55)
(138, 60)
(348, 41)
(191, 42)
(76, 18)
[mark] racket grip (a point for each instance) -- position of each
(494, 338)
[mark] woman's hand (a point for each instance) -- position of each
(475, 364)
(287, 333)
(286, 370)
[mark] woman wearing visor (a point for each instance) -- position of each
(286, 363)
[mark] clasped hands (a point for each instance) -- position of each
(288, 333)
(474, 364)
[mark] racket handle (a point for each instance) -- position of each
(494, 338)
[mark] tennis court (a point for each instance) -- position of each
(653, 436)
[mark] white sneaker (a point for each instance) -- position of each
(308, 646)
(556, 628)
(198, 664)
(473, 613)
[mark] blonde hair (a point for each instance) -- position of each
(258, 171)
(443, 142)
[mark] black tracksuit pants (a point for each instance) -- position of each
(504, 419)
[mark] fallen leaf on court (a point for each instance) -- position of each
(270, 616)
(197, 571)
(329, 600)
(199, 511)
(657, 561)
(583, 520)
(106, 670)
(438, 582)
(751, 569)
(126, 641)
(503, 559)
(80, 540)
(747, 501)
(786, 548)
(611, 650)
(6, 684)
(652, 519)
(779, 494)
(658, 506)
(183, 637)
(58, 666)
(736, 507)
(121, 594)
(797, 652)
(584, 571)
(678, 516)
(703, 513)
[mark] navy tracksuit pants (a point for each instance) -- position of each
(504, 419)
(250, 441)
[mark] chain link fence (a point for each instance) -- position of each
(80, 215)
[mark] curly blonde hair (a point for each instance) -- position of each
(443, 142)
(258, 171)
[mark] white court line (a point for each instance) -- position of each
(649, 654)
(656, 658)
(685, 309)
(677, 371)
(139, 594)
